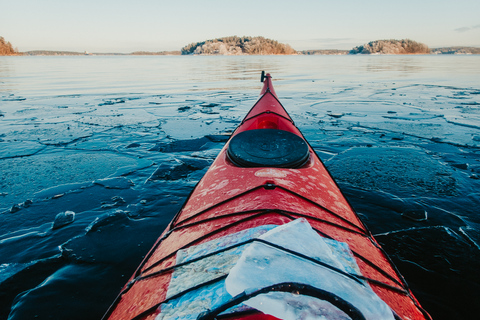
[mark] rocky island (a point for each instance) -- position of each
(238, 46)
(456, 50)
(324, 52)
(6, 48)
(235, 45)
(404, 46)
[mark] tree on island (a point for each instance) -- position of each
(238, 46)
(456, 50)
(404, 46)
(6, 48)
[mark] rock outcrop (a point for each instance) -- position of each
(456, 50)
(238, 46)
(324, 52)
(6, 48)
(405, 46)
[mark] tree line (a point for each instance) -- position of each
(6, 48)
(404, 46)
(237, 46)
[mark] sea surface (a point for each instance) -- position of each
(97, 153)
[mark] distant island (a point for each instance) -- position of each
(238, 46)
(73, 53)
(404, 46)
(324, 52)
(261, 46)
(456, 50)
(160, 53)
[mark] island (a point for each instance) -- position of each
(6, 48)
(404, 46)
(85, 53)
(324, 52)
(456, 50)
(159, 53)
(238, 46)
(235, 45)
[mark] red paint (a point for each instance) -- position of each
(308, 191)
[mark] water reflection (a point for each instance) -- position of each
(78, 118)
(232, 72)
(5, 73)
(400, 64)
(47, 76)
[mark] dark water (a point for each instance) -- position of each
(98, 153)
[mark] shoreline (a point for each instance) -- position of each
(325, 52)
(56, 54)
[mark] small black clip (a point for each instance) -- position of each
(262, 78)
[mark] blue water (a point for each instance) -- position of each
(121, 141)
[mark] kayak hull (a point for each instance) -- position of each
(229, 199)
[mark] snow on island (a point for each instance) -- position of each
(238, 46)
(404, 46)
(245, 45)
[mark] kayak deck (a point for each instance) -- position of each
(230, 199)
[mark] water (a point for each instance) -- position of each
(121, 141)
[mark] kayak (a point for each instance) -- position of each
(266, 234)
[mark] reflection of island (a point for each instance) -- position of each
(238, 46)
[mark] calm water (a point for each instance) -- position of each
(121, 141)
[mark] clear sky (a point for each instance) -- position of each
(158, 25)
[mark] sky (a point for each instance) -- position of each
(158, 25)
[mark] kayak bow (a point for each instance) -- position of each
(266, 234)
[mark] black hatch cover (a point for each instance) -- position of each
(268, 148)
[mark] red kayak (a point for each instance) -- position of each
(266, 234)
